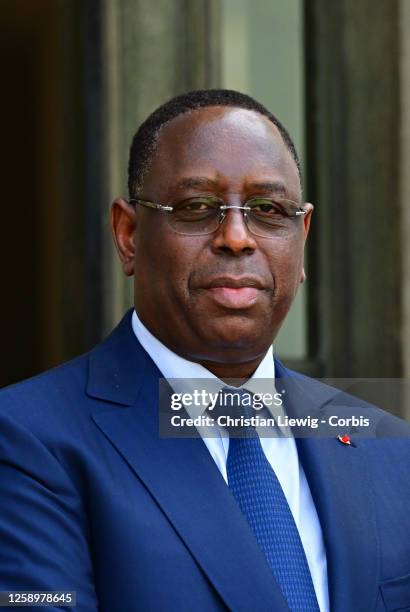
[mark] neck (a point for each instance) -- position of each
(225, 371)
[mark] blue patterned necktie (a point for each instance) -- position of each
(259, 495)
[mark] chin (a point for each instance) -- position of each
(233, 333)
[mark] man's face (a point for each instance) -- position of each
(184, 291)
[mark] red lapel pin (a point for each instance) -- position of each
(345, 439)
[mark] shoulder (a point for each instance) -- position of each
(53, 382)
(57, 406)
(51, 397)
(65, 386)
(381, 442)
(349, 405)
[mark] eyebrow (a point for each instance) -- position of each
(201, 182)
(196, 182)
(272, 186)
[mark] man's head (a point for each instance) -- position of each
(218, 298)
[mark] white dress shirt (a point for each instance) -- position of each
(281, 452)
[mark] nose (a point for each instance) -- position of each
(232, 236)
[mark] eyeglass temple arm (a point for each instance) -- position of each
(150, 204)
(227, 207)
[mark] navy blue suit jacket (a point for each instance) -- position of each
(92, 500)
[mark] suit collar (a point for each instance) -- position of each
(117, 366)
(302, 395)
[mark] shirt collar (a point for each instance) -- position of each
(183, 375)
(174, 366)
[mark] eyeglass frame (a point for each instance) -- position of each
(221, 209)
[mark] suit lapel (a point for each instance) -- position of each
(340, 488)
(339, 482)
(180, 474)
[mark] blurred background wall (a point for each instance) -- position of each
(79, 76)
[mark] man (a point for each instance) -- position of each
(94, 500)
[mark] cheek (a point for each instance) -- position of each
(286, 261)
(167, 261)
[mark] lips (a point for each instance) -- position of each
(235, 282)
(235, 297)
(235, 292)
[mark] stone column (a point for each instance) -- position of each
(354, 139)
(151, 51)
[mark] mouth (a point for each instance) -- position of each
(235, 293)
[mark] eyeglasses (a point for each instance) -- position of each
(203, 215)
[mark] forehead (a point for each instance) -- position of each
(233, 143)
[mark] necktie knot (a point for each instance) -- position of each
(234, 411)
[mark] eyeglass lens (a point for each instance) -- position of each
(267, 218)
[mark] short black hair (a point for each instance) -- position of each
(145, 140)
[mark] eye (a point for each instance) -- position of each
(193, 205)
(265, 206)
(196, 205)
(196, 209)
(201, 204)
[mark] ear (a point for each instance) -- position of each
(306, 225)
(123, 227)
(307, 218)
